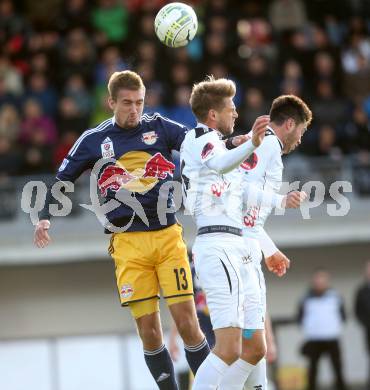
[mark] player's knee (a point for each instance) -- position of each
(255, 353)
(230, 356)
(151, 336)
(189, 329)
(228, 353)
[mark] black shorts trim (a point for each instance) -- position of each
(139, 300)
(178, 295)
(236, 274)
(228, 276)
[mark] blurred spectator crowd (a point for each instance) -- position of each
(56, 57)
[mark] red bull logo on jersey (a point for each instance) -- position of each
(135, 172)
(113, 178)
(149, 138)
(126, 291)
(159, 166)
(250, 162)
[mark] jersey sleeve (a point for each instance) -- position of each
(268, 246)
(175, 133)
(209, 146)
(76, 162)
(227, 160)
(254, 196)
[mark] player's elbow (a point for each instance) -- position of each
(221, 169)
(219, 166)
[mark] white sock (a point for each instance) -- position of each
(236, 375)
(258, 377)
(210, 373)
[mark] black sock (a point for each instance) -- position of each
(196, 355)
(161, 367)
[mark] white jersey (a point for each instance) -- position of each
(264, 169)
(210, 197)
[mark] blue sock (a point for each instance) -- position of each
(161, 367)
(196, 355)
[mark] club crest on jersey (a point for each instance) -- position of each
(107, 150)
(207, 149)
(126, 291)
(149, 138)
(250, 162)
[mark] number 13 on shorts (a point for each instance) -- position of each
(181, 279)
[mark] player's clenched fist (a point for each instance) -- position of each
(294, 199)
(278, 263)
(41, 236)
(259, 129)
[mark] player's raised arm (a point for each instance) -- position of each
(231, 159)
(259, 129)
(237, 140)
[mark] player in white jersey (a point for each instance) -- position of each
(213, 195)
(289, 117)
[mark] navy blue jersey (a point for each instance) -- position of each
(139, 161)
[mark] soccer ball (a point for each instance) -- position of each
(176, 24)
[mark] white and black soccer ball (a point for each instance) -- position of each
(176, 24)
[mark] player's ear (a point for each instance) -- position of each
(290, 124)
(111, 103)
(212, 114)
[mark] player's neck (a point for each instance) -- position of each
(278, 131)
(212, 125)
(208, 123)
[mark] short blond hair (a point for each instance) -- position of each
(124, 80)
(210, 94)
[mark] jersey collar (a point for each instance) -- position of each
(207, 128)
(280, 142)
(127, 130)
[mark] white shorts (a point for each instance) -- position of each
(255, 297)
(223, 265)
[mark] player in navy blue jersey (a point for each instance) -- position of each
(133, 153)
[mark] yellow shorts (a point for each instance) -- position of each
(149, 261)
